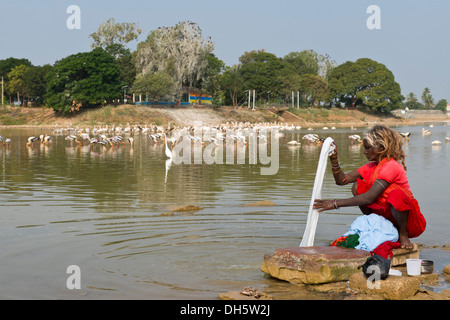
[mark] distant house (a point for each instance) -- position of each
(195, 98)
(190, 96)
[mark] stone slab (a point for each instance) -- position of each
(400, 255)
(314, 265)
(393, 288)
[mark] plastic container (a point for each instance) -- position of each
(413, 267)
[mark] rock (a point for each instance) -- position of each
(265, 203)
(446, 269)
(400, 255)
(393, 288)
(236, 295)
(182, 208)
(314, 265)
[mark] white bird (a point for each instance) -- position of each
(436, 143)
(355, 137)
(405, 135)
(168, 151)
(447, 139)
(425, 131)
(294, 143)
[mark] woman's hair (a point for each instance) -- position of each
(389, 141)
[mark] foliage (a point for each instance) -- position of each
(83, 79)
(412, 102)
(16, 83)
(111, 33)
(180, 51)
(442, 105)
(232, 81)
(36, 84)
(314, 89)
(427, 99)
(364, 83)
(260, 71)
(154, 85)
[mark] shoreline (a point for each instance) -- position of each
(19, 117)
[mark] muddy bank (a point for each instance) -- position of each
(188, 116)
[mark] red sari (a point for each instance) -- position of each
(397, 194)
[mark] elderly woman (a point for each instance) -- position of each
(380, 186)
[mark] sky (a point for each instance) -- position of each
(412, 41)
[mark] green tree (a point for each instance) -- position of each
(16, 83)
(36, 84)
(82, 80)
(314, 89)
(233, 82)
(209, 81)
(113, 38)
(412, 102)
(154, 85)
(427, 99)
(366, 83)
(442, 105)
(260, 71)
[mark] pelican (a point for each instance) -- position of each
(447, 139)
(436, 143)
(425, 131)
(294, 143)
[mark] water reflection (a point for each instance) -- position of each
(105, 208)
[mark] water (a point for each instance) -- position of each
(106, 211)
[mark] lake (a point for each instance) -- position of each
(107, 210)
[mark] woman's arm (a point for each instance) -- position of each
(358, 200)
(340, 176)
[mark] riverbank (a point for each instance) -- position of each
(187, 116)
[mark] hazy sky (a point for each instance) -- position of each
(413, 41)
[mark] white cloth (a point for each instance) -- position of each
(313, 214)
(373, 230)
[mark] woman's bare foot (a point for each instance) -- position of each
(405, 242)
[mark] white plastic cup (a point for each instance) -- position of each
(413, 267)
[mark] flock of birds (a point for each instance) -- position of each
(112, 136)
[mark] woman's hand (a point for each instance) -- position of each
(322, 205)
(335, 153)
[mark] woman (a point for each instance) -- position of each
(381, 186)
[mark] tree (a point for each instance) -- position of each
(366, 83)
(314, 88)
(442, 105)
(114, 35)
(180, 51)
(113, 38)
(16, 82)
(209, 81)
(36, 84)
(427, 99)
(412, 102)
(309, 61)
(82, 80)
(260, 71)
(154, 85)
(233, 82)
